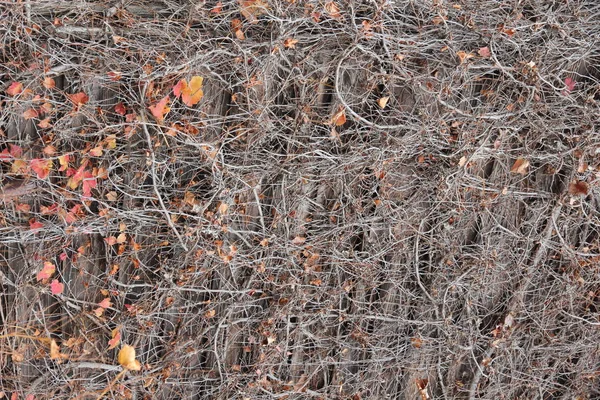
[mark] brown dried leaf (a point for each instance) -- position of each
(520, 166)
(580, 188)
(298, 240)
(333, 10)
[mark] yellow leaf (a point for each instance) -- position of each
(127, 359)
(383, 101)
(192, 93)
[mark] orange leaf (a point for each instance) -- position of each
(79, 99)
(45, 123)
(49, 83)
(56, 287)
(14, 89)
(217, 8)
(116, 338)
(30, 114)
(463, 56)
(251, 9)
(160, 109)
(290, 43)
(47, 271)
(192, 93)
(520, 166)
(41, 167)
(339, 118)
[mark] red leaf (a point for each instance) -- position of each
(79, 98)
(177, 89)
(14, 89)
(34, 225)
(105, 303)
(111, 240)
(120, 109)
(56, 287)
(89, 183)
(570, 84)
(41, 167)
(160, 109)
(116, 338)
(47, 271)
(63, 256)
(579, 188)
(15, 150)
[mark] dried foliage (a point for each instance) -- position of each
(297, 199)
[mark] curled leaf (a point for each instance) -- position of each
(520, 166)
